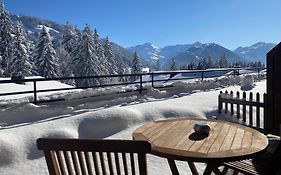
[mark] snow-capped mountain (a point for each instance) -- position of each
(200, 51)
(255, 52)
(149, 52)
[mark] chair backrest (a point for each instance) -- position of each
(81, 156)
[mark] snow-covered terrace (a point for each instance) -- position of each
(109, 116)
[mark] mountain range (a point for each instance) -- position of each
(150, 53)
(186, 53)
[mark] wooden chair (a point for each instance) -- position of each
(80, 156)
(267, 163)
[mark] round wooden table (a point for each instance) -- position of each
(176, 139)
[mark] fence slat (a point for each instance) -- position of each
(244, 107)
(231, 104)
(238, 105)
(226, 99)
(258, 110)
(220, 102)
(251, 109)
(226, 104)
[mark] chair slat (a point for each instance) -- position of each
(110, 165)
(68, 162)
(88, 157)
(132, 163)
(82, 162)
(75, 162)
(60, 161)
(117, 163)
(95, 160)
(125, 164)
(102, 163)
(88, 163)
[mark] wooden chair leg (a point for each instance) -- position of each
(173, 167)
(208, 170)
(212, 168)
(193, 168)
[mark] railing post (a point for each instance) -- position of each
(35, 92)
(140, 83)
(258, 72)
(152, 80)
(202, 75)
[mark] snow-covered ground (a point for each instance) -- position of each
(114, 116)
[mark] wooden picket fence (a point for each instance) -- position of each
(248, 109)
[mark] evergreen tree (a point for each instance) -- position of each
(136, 66)
(158, 66)
(173, 65)
(69, 38)
(200, 64)
(110, 62)
(122, 69)
(100, 52)
(223, 62)
(86, 61)
(6, 41)
(191, 66)
(45, 56)
(65, 66)
(21, 64)
(210, 63)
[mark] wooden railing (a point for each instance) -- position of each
(248, 109)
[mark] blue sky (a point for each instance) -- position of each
(231, 23)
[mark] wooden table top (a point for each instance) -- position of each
(177, 140)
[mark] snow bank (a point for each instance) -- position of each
(111, 116)
(247, 83)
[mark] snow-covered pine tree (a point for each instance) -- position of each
(86, 61)
(65, 66)
(6, 41)
(136, 66)
(45, 56)
(69, 38)
(158, 66)
(122, 69)
(21, 64)
(110, 62)
(223, 63)
(173, 65)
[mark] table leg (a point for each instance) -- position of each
(193, 168)
(173, 167)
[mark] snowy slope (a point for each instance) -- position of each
(102, 117)
(197, 52)
(149, 52)
(255, 52)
